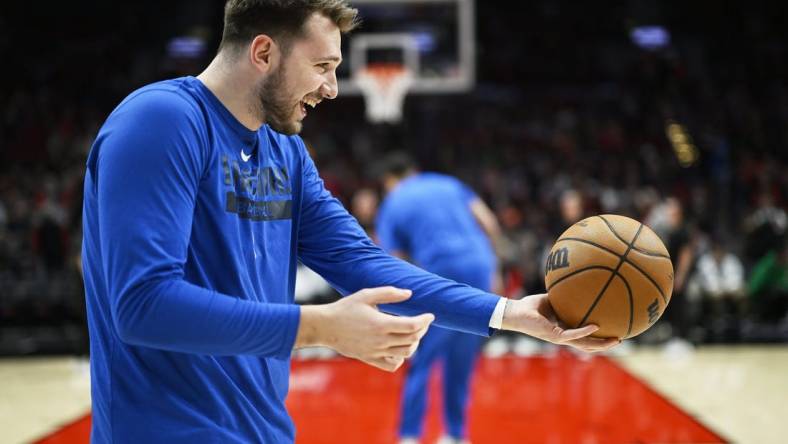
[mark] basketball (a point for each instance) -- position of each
(611, 271)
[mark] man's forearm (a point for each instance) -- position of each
(179, 316)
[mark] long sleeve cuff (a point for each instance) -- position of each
(496, 320)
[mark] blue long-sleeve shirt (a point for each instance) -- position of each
(428, 216)
(192, 228)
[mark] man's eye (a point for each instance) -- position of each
(324, 67)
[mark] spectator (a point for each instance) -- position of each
(364, 206)
(768, 284)
(717, 292)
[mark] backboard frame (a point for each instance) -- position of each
(466, 38)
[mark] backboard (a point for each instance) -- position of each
(433, 39)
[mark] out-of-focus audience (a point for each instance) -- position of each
(554, 130)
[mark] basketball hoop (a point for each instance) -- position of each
(384, 86)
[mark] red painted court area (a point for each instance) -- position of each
(558, 400)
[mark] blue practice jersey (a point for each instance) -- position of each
(192, 228)
(428, 217)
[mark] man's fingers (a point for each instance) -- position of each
(580, 339)
(594, 344)
(403, 351)
(576, 333)
(404, 339)
(380, 363)
(394, 362)
(409, 324)
(423, 331)
(384, 295)
(387, 363)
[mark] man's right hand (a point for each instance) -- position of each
(354, 327)
(534, 316)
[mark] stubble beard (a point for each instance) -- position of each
(274, 106)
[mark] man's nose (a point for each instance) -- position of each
(330, 89)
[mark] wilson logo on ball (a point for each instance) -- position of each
(557, 259)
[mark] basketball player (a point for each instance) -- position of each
(199, 199)
(443, 227)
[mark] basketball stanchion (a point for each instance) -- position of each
(384, 86)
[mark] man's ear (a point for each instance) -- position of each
(263, 53)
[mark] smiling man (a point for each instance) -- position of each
(200, 198)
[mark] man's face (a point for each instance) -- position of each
(305, 76)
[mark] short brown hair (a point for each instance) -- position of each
(282, 20)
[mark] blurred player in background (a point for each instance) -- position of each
(200, 198)
(441, 225)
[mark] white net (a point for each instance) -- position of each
(384, 88)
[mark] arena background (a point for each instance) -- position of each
(571, 115)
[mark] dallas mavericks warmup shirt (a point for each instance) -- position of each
(192, 228)
(445, 237)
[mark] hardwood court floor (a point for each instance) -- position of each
(717, 394)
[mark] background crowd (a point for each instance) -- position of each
(568, 119)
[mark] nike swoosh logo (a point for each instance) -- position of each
(245, 156)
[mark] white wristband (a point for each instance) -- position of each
(496, 320)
